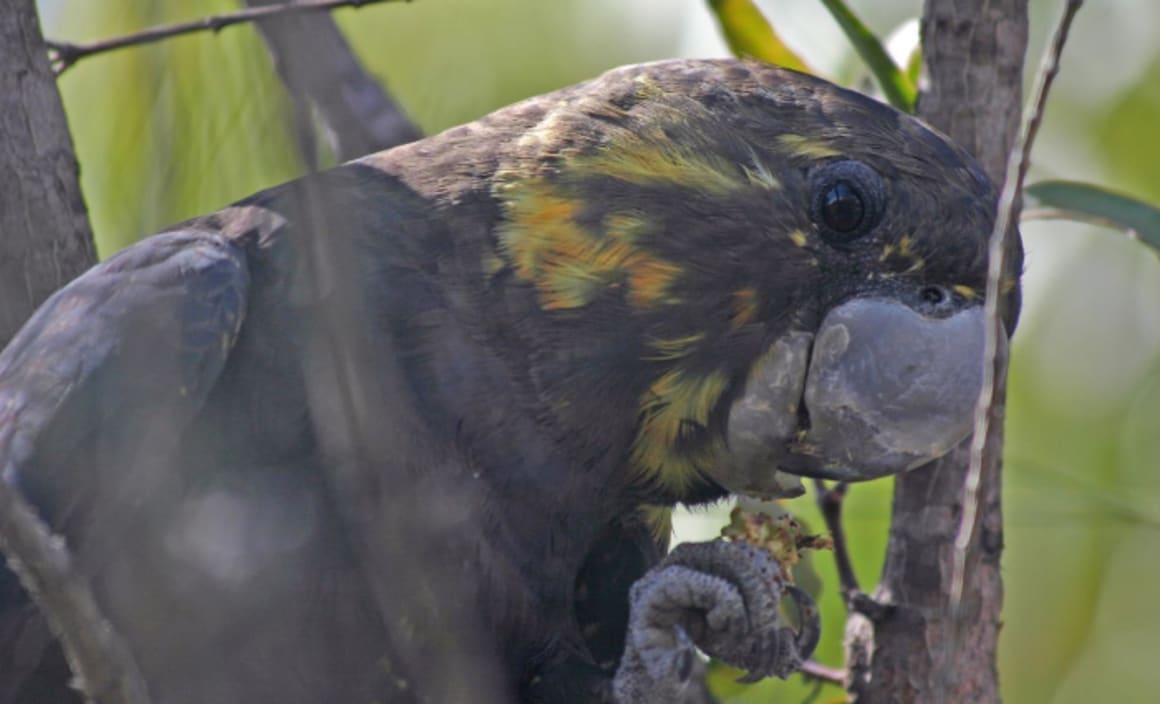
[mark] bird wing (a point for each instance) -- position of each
(109, 370)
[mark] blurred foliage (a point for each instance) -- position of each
(185, 126)
(896, 85)
(1085, 202)
(750, 35)
(161, 131)
(181, 128)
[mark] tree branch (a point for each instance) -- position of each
(924, 649)
(319, 68)
(46, 242)
(830, 501)
(65, 54)
(823, 673)
(46, 237)
(1005, 221)
(103, 668)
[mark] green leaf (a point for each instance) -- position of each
(749, 34)
(896, 86)
(1090, 203)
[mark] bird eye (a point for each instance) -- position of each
(848, 200)
(934, 295)
(842, 208)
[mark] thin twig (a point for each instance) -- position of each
(1018, 162)
(103, 668)
(65, 54)
(830, 504)
(830, 500)
(823, 673)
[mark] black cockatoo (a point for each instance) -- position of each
(402, 430)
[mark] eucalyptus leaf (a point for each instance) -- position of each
(1085, 202)
(899, 90)
(750, 35)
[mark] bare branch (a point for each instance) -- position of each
(65, 54)
(922, 649)
(103, 667)
(823, 673)
(47, 241)
(830, 501)
(46, 238)
(319, 68)
(1005, 220)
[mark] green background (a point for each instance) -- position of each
(180, 128)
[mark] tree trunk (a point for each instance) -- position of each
(924, 650)
(45, 242)
(45, 239)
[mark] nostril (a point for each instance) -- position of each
(934, 295)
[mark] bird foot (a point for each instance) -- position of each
(722, 598)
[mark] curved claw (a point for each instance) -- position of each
(685, 654)
(792, 647)
(809, 622)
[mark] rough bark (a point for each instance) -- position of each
(45, 239)
(923, 649)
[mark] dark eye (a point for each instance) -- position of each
(842, 208)
(848, 200)
(934, 295)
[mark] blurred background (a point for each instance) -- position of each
(183, 127)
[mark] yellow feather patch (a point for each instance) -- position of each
(798, 238)
(647, 89)
(649, 281)
(540, 225)
(800, 145)
(904, 250)
(566, 285)
(569, 264)
(672, 401)
(644, 162)
(760, 175)
(906, 246)
(659, 520)
(492, 265)
(965, 291)
(627, 227)
(744, 307)
(668, 350)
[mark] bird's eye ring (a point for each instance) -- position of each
(848, 200)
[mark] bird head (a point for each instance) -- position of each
(787, 275)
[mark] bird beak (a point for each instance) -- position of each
(879, 389)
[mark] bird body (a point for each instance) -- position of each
(402, 429)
